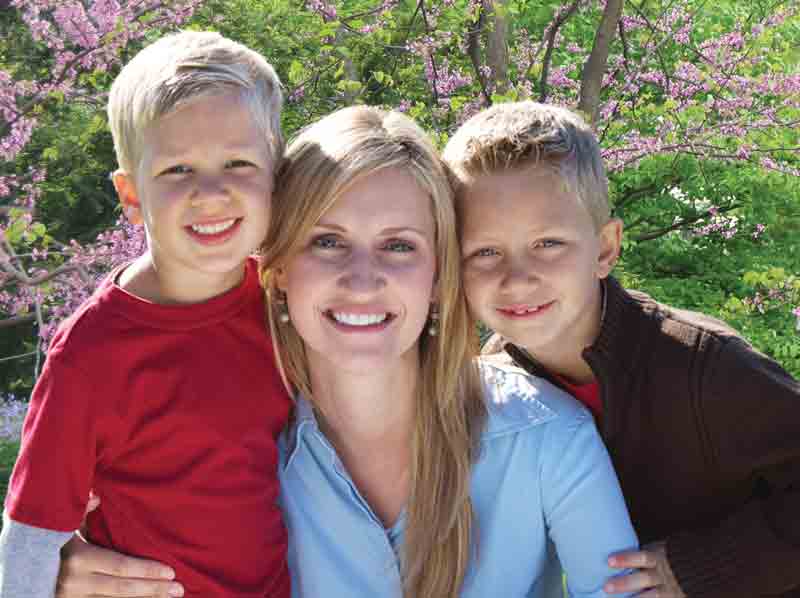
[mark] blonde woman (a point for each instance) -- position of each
(409, 469)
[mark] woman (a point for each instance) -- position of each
(408, 470)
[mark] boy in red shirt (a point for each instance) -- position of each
(703, 430)
(160, 393)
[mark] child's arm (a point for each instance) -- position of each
(750, 410)
(585, 512)
(29, 560)
(52, 478)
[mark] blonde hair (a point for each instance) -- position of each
(320, 164)
(528, 134)
(183, 67)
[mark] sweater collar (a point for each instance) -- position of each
(600, 355)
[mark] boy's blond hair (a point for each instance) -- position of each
(528, 134)
(183, 67)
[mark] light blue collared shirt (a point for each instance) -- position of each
(542, 484)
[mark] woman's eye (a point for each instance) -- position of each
(485, 252)
(326, 242)
(399, 246)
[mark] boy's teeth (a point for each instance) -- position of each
(524, 310)
(359, 319)
(213, 229)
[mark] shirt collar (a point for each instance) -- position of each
(512, 400)
(304, 422)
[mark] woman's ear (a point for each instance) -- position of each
(280, 279)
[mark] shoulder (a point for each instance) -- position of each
(517, 400)
(86, 326)
(675, 321)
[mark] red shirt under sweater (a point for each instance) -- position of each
(588, 394)
(170, 414)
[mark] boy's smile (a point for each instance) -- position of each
(524, 310)
(533, 260)
(215, 232)
(202, 190)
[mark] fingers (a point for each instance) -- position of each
(637, 581)
(107, 586)
(88, 570)
(94, 502)
(82, 558)
(633, 559)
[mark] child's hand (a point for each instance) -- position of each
(88, 570)
(94, 502)
(652, 577)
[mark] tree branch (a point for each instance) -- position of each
(421, 6)
(474, 52)
(681, 224)
(21, 277)
(17, 320)
(595, 67)
(551, 40)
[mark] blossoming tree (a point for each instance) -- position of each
(697, 109)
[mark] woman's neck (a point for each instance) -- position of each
(368, 417)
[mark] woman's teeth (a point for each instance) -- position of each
(359, 319)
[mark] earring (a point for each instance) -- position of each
(433, 327)
(283, 309)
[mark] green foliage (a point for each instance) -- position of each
(8, 455)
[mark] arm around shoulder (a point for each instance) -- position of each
(584, 507)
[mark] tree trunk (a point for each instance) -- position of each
(497, 42)
(595, 67)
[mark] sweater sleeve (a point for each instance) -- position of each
(584, 509)
(29, 560)
(751, 411)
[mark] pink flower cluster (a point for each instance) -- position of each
(771, 298)
(725, 226)
(325, 9)
(82, 36)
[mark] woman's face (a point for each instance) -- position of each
(360, 289)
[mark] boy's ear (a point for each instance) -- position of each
(128, 198)
(610, 245)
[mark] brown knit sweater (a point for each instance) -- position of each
(704, 432)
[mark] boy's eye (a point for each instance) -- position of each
(548, 243)
(399, 246)
(238, 164)
(177, 169)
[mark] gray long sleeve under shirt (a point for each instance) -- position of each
(29, 560)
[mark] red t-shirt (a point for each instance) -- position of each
(170, 414)
(588, 394)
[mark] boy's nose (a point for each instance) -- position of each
(209, 190)
(519, 274)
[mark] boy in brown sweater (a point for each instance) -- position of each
(703, 430)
